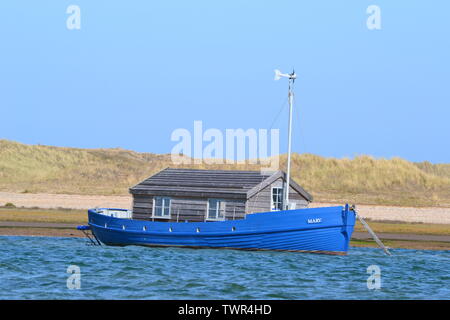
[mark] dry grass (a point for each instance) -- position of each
(363, 180)
(373, 181)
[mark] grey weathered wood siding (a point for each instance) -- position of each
(261, 202)
(235, 209)
(142, 207)
(185, 209)
(190, 189)
(295, 197)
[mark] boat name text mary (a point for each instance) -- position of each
(316, 220)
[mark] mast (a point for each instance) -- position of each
(291, 76)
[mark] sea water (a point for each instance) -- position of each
(68, 268)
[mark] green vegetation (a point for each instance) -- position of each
(43, 232)
(400, 244)
(406, 228)
(43, 215)
(362, 180)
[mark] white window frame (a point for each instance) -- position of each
(163, 203)
(271, 199)
(207, 218)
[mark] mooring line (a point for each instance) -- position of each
(374, 236)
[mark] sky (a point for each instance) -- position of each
(136, 71)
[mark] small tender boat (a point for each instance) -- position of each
(320, 230)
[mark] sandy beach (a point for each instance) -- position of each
(382, 213)
(68, 201)
(403, 214)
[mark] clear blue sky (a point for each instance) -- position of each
(137, 70)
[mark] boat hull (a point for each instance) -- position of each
(320, 230)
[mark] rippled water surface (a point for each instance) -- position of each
(36, 268)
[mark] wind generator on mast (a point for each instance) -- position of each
(291, 76)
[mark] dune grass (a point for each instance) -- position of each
(362, 180)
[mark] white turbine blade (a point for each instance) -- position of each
(277, 74)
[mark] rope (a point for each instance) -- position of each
(283, 106)
(374, 236)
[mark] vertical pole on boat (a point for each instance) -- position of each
(288, 173)
(291, 76)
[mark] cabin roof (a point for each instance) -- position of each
(237, 184)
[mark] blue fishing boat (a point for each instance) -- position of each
(321, 230)
(225, 209)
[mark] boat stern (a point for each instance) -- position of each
(348, 223)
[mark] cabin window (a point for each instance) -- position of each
(277, 199)
(161, 207)
(216, 209)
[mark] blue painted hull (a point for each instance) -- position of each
(320, 230)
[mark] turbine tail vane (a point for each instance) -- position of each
(279, 75)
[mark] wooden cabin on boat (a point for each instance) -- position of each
(188, 195)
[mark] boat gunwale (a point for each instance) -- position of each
(195, 233)
(204, 233)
